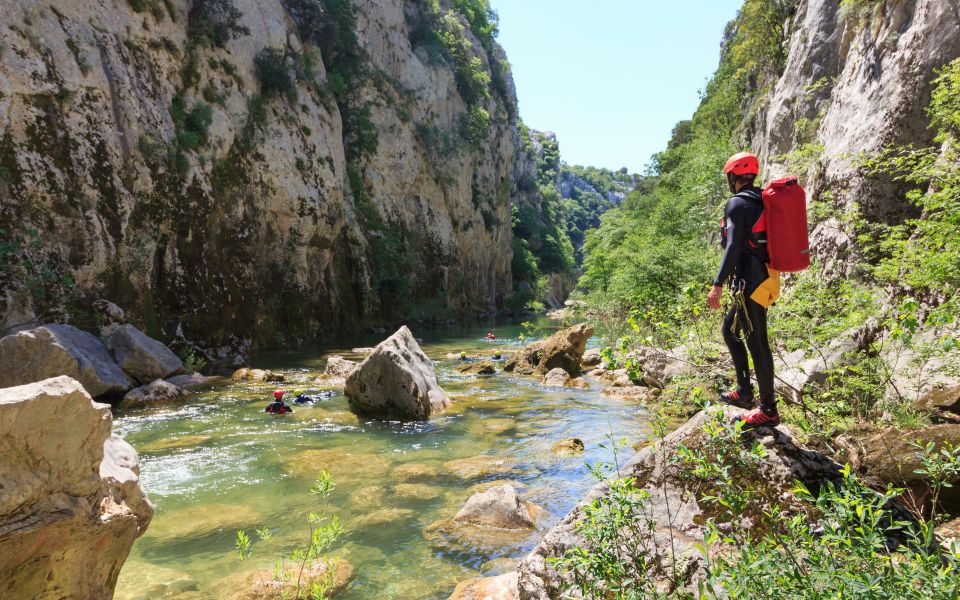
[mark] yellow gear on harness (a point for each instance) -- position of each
(768, 291)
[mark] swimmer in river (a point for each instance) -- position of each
(278, 406)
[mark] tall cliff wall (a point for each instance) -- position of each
(152, 153)
(857, 79)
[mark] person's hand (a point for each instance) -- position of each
(713, 298)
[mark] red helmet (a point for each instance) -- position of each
(743, 163)
(278, 394)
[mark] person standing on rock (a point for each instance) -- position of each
(744, 269)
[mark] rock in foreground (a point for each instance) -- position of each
(396, 382)
(142, 357)
(72, 504)
(334, 574)
(677, 511)
(501, 587)
(562, 350)
(54, 350)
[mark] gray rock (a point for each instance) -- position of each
(195, 380)
(155, 391)
(677, 513)
(246, 374)
(946, 400)
(52, 350)
(569, 447)
(72, 504)
(499, 507)
(396, 382)
(141, 356)
(591, 357)
(339, 367)
(556, 377)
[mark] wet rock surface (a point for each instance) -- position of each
(153, 392)
(396, 382)
(499, 507)
(562, 350)
(477, 368)
(72, 504)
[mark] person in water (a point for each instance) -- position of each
(744, 268)
(278, 406)
(302, 397)
(490, 336)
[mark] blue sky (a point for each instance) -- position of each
(611, 77)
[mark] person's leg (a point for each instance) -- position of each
(732, 328)
(759, 345)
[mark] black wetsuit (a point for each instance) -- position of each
(744, 267)
(278, 408)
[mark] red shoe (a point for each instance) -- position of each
(758, 418)
(738, 398)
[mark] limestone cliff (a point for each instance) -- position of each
(857, 78)
(268, 170)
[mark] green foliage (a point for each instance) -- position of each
(192, 124)
(646, 252)
(214, 22)
(476, 126)
(275, 73)
(835, 543)
(192, 363)
(323, 533)
(473, 80)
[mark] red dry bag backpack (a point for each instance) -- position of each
(785, 212)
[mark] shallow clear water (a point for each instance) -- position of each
(219, 463)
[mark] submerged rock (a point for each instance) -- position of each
(416, 491)
(478, 368)
(194, 381)
(72, 504)
(483, 465)
(142, 357)
(396, 382)
(245, 374)
(54, 350)
(569, 447)
(562, 350)
(501, 587)
(334, 574)
(416, 472)
(165, 444)
(156, 391)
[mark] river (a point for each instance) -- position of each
(217, 464)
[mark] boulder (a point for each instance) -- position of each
(396, 382)
(579, 383)
(557, 377)
(590, 358)
(246, 374)
(155, 391)
(266, 584)
(676, 505)
(499, 507)
(563, 350)
(109, 315)
(339, 367)
(795, 371)
(194, 381)
(501, 587)
(632, 392)
(142, 357)
(659, 367)
(484, 367)
(53, 350)
(72, 504)
(940, 400)
(569, 447)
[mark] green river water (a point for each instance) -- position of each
(218, 463)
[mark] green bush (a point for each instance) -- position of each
(192, 124)
(215, 22)
(476, 127)
(275, 73)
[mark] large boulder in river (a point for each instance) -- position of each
(677, 506)
(142, 357)
(562, 350)
(71, 504)
(53, 350)
(396, 382)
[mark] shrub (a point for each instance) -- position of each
(476, 126)
(192, 124)
(215, 22)
(275, 73)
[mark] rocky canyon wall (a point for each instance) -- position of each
(158, 154)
